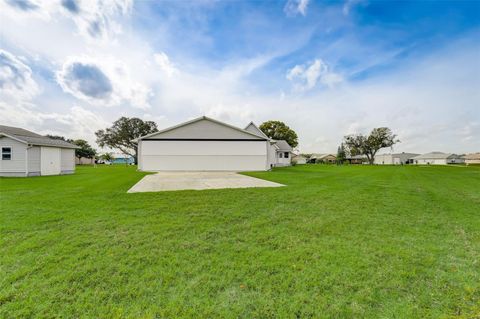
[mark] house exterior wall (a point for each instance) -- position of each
(282, 161)
(383, 159)
(472, 161)
(300, 160)
(160, 155)
(271, 155)
(16, 165)
(34, 161)
(67, 161)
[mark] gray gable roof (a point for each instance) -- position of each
(255, 129)
(33, 138)
(283, 146)
(203, 134)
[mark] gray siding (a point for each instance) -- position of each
(34, 160)
(15, 166)
(68, 161)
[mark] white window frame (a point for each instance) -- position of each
(11, 152)
(280, 155)
(286, 155)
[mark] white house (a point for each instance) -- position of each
(205, 144)
(299, 159)
(24, 153)
(438, 158)
(394, 159)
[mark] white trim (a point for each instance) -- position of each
(196, 120)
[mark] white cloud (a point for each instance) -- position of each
(16, 80)
(294, 7)
(76, 122)
(102, 81)
(95, 18)
(305, 77)
(163, 61)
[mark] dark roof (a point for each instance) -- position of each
(33, 138)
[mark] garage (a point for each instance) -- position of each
(203, 144)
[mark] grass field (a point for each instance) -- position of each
(337, 242)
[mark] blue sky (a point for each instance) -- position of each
(326, 68)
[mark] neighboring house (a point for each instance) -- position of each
(279, 151)
(322, 158)
(472, 159)
(357, 159)
(438, 158)
(299, 159)
(25, 153)
(394, 159)
(119, 158)
(283, 153)
(84, 161)
(205, 144)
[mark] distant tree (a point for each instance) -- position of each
(280, 131)
(107, 157)
(341, 155)
(85, 149)
(58, 137)
(122, 133)
(379, 138)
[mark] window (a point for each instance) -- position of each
(286, 155)
(6, 153)
(280, 155)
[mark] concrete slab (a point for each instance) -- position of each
(172, 181)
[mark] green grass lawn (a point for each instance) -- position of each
(337, 242)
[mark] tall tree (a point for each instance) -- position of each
(278, 130)
(341, 155)
(369, 145)
(85, 149)
(122, 133)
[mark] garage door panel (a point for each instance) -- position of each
(202, 148)
(203, 163)
(50, 161)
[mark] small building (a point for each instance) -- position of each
(283, 152)
(472, 159)
(357, 159)
(299, 159)
(322, 158)
(394, 159)
(205, 144)
(438, 158)
(119, 158)
(25, 153)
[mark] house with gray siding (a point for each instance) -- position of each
(25, 153)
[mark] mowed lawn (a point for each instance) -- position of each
(337, 242)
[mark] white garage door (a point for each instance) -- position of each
(188, 155)
(50, 160)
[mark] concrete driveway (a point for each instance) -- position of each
(173, 181)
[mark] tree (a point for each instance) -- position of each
(58, 137)
(122, 133)
(279, 131)
(341, 155)
(107, 157)
(379, 138)
(85, 149)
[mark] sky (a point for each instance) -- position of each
(325, 68)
